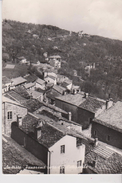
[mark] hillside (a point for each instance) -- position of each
(32, 41)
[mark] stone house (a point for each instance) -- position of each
(10, 111)
(40, 84)
(83, 108)
(60, 152)
(107, 126)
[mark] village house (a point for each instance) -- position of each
(89, 67)
(11, 110)
(50, 79)
(31, 78)
(67, 84)
(55, 61)
(55, 91)
(18, 81)
(36, 95)
(103, 159)
(83, 107)
(6, 83)
(60, 152)
(40, 84)
(48, 72)
(29, 86)
(107, 126)
(61, 78)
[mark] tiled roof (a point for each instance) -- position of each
(72, 99)
(29, 85)
(49, 76)
(32, 104)
(50, 135)
(52, 94)
(15, 96)
(30, 78)
(18, 80)
(55, 56)
(35, 94)
(28, 123)
(5, 80)
(10, 66)
(112, 117)
(104, 165)
(8, 100)
(92, 104)
(40, 81)
(59, 89)
(66, 83)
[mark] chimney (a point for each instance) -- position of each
(107, 104)
(38, 130)
(19, 120)
(96, 142)
(70, 116)
(87, 95)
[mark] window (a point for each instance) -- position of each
(62, 170)
(78, 142)
(79, 163)
(10, 115)
(95, 133)
(63, 149)
(108, 138)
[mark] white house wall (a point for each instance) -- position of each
(69, 158)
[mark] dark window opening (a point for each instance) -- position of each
(62, 170)
(62, 149)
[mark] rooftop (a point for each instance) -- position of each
(89, 103)
(9, 66)
(18, 80)
(5, 80)
(49, 135)
(32, 104)
(15, 96)
(50, 76)
(112, 117)
(29, 85)
(55, 56)
(107, 161)
(34, 93)
(30, 78)
(72, 99)
(52, 94)
(40, 81)
(8, 100)
(59, 89)
(92, 104)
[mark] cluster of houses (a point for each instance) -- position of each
(67, 129)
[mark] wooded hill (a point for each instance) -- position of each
(32, 41)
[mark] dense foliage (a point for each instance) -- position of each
(77, 52)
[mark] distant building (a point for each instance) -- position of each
(6, 83)
(61, 78)
(36, 95)
(40, 84)
(107, 126)
(11, 110)
(50, 79)
(29, 86)
(55, 61)
(67, 84)
(55, 91)
(50, 145)
(36, 36)
(83, 108)
(18, 81)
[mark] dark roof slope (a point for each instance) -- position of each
(92, 104)
(50, 135)
(30, 78)
(15, 96)
(52, 94)
(110, 165)
(32, 104)
(112, 117)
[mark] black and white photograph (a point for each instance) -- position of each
(61, 87)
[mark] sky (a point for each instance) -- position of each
(96, 17)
